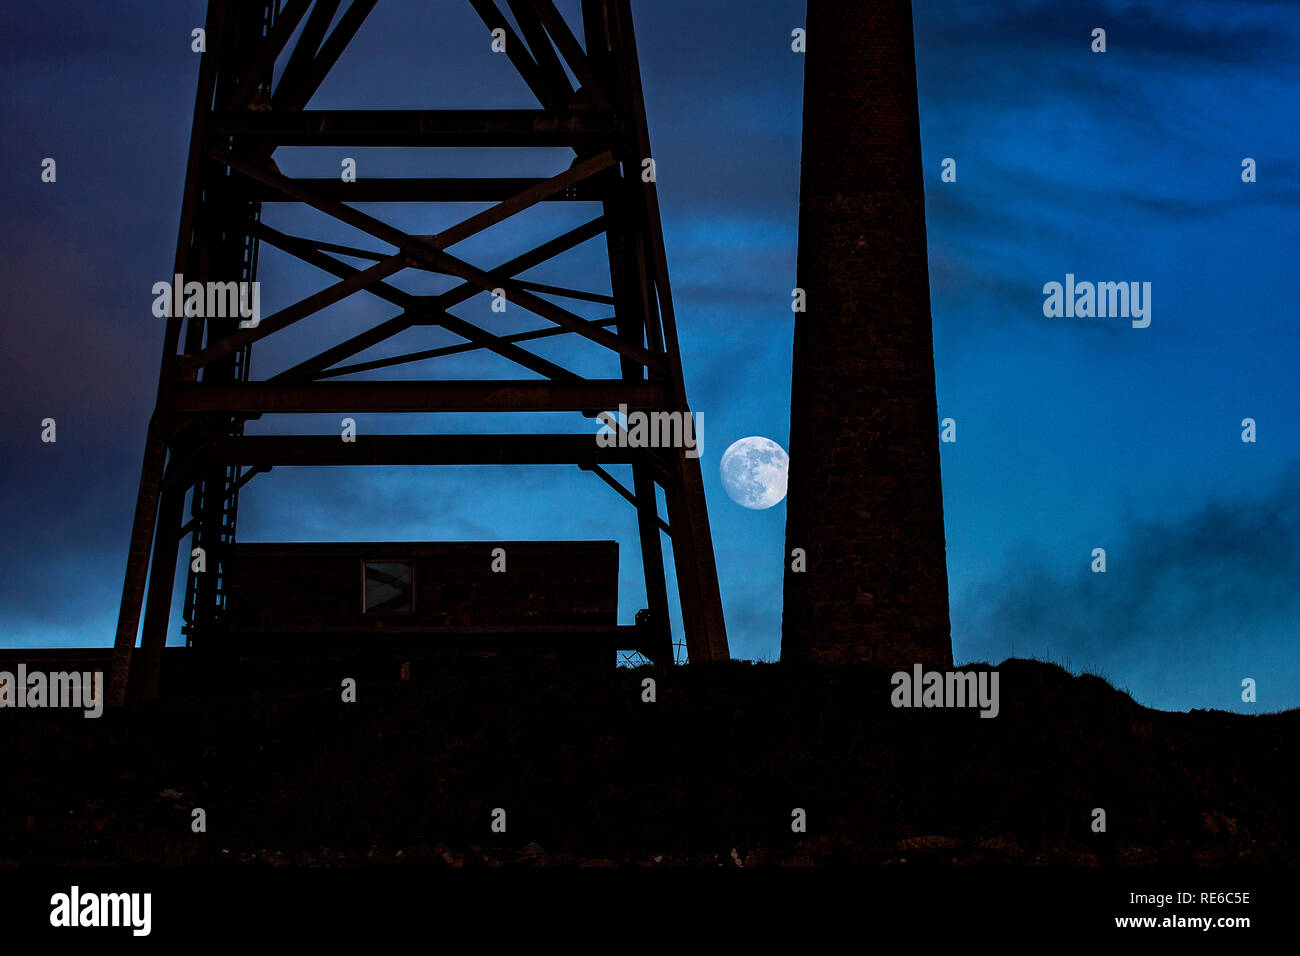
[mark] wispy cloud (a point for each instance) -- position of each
(1206, 597)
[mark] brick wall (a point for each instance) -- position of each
(319, 586)
(864, 499)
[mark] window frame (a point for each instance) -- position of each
(409, 562)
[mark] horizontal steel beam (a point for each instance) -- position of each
(268, 451)
(474, 189)
(416, 396)
(420, 127)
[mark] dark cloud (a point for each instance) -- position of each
(1188, 597)
(1191, 34)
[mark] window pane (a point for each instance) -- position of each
(388, 587)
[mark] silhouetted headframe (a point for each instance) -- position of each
(196, 452)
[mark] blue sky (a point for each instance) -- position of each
(1072, 433)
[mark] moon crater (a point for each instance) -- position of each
(754, 471)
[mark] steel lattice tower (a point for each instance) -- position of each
(196, 450)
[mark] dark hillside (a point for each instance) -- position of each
(588, 773)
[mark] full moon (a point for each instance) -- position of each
(754, 472)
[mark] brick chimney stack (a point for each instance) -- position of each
(864, 500)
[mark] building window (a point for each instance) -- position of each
(388, 587)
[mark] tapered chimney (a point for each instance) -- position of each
(864, 501)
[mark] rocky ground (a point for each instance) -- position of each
(588, 773)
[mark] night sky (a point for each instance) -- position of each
(1072, 434)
